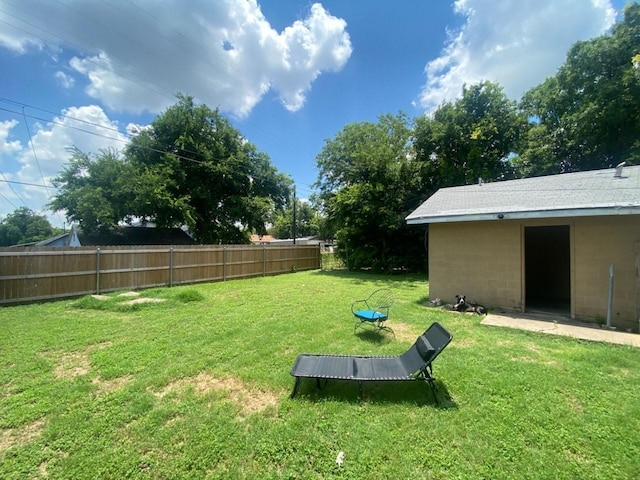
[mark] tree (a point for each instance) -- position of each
(24, 226)
(95, 190)
(307, 221)
(194, 168)
(368, 182)
(470, 138)
(587, 116)
(190, 167)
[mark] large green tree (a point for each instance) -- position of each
(470, 138)
(368, 182)
(587, 115)
(24, 226)
(194, 168)
(94, 189)
(190, 167)
(308, 221)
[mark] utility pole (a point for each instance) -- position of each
(293, 225)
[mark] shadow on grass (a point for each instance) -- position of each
(376, 337)
(416, 393)
(385, 279)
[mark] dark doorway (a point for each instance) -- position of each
(547, 266)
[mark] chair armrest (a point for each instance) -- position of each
(359, 305)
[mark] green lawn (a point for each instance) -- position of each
(198, 387)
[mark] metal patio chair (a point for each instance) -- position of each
(373, 310)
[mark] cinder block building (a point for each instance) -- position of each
(566, 244)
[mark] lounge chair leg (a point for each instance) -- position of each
(295, 387)
(319, 385)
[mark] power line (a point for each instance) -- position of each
(23, 183)
(14, 192)
(33, 148)
(9, 201)
(125, 141)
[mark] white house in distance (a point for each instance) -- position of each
(547, 243)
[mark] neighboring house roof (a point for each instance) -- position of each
(137, 236)
(120, 236)
(596, 192)
(310, 240)
(63, 240)
(261, 238)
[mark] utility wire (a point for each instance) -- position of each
(116, 139)
(33, 148)
(8, 201)
(14, 192)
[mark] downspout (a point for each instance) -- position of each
(610, 300)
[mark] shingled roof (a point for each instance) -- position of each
(136, 236)
(597, 192)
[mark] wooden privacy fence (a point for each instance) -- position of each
(49, 273)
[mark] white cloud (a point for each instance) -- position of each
(8, 147)
(87, 128)
(136, 55)
(317, 44)
(65, 81)
(515, 43)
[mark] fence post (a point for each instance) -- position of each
(98, 271)
(264, 260)
(170, 267)
(224, 263)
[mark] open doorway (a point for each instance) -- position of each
(547, 259)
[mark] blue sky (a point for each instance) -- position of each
(289, 74)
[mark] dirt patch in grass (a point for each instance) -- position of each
(574, 404)
(100, 297)
(5, 390)
(108, 386)
(404, 332)
(144, 300)
(250, 399)
(464, 343)
(136, 298)
(12, 437)
(528, 359)
(73, 364)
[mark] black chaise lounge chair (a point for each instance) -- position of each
(414, 364)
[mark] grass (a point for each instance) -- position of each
(197, 386)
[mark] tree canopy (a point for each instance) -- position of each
(308, 221)
(587, 115)
(24, 226)
(190, 167)
(469, 138)
(94, 190)
(368, 182)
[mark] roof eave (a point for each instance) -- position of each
(529, 214)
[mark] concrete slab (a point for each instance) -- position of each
(547, 324)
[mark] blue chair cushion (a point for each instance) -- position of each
(370, 315)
